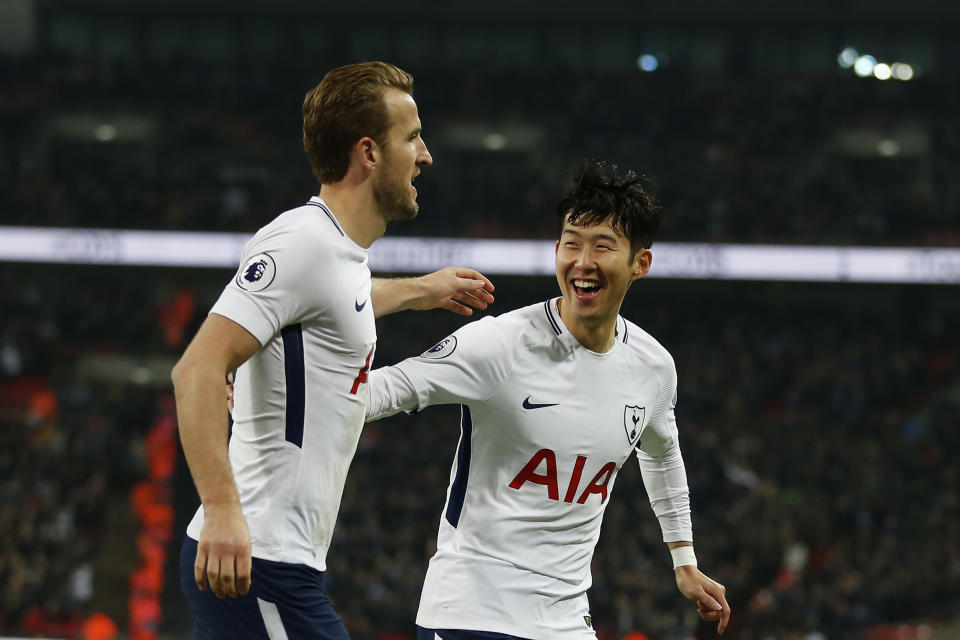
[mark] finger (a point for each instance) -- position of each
(227, 573)
(467, 298)
(456, 307)
(716, 599)
(200, 570)
(708, 602)
(475, 288)
(473, 274)
(213, 576)
(725, 612)
(244, 573)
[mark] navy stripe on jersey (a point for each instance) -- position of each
(293, 367)
(329, 215)
(550, 318)
(624, 331)
(458, 490)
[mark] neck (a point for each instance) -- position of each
(354, 207)
(598, 336)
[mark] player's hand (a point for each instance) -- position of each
(709, 595)
(223, 553)
(454, 289)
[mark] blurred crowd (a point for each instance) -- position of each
(72, 444)
(186, 144)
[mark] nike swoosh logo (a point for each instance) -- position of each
(359, 305)
(531, 405)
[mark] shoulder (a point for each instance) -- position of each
(648, 349)
(297, 229)
(491, 337)
(297, 239)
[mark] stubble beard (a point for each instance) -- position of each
(394, 200)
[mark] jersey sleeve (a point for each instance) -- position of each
(468, 366)
(284, 277)
(661, 464)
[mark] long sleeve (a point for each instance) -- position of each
(664, 474)
(467, 366)
(389, 391)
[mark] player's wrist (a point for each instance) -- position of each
(683, 556)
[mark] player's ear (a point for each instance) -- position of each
(367, 152)
(641, 263)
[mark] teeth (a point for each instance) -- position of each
(586, 284)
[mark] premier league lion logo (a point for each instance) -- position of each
(257, 273)
(442, 349)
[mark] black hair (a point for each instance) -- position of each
(602, 190)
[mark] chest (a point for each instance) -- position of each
(346, 329)
(597, 407)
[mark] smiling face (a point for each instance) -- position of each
(594, 270)
(403, 153)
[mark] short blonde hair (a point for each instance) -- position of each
(347, 105)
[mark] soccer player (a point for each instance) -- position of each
(297, 324)
(555, 398)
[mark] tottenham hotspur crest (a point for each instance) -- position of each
(633, 422)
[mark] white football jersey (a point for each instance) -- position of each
(303, 291)
(546, 426)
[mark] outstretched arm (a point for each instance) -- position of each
(454, 289)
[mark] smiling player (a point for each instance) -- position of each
(555, 398)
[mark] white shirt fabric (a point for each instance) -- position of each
(303, 291)
(546, 426)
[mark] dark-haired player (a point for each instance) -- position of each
(555, 398)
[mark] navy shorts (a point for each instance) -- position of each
(461, 634)
(285, 602)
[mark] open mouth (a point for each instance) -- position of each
(586, 289)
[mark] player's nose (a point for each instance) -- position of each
(423, 157)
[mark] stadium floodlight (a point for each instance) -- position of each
(847, 57)
(888, 148)
(901, 71)
(495, 141)
(105, 132)
(648, 62)
(881, 71)
(864, 65)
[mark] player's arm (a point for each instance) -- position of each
(665, 480)
(223, 554)
(452, 288)
(468, 366)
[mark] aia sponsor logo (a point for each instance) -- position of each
(541, 469)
